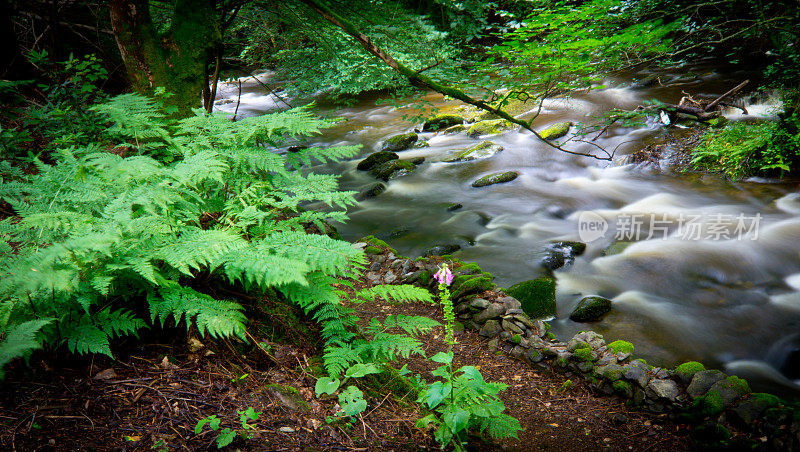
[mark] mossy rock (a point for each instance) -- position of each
(718, 122)
(576, 248)
(484, 149)
(537, 296)
(421, 144)
(512, 106)
(583, 354)
(290, 397)
(458, 128)
(371, 239)
(489, 127)
(610, 372)
(376, 159)
(441, 122)
(555, 131)
(590, 309)
(469, 284)
(418, 160)
(425, 277)
(371, 191)
(623, 388)
(392, 169)
(400, 142)
(469, 269)
(687, 370)
(622, 347)
(495, 178)
(373, 250)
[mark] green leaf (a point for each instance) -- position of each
(360, 370)
(436, 393)
(352, 401)
(326, 385)
(456, 418)
(442, 357)
(225, 437)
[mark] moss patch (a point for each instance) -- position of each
(441, 122)
(489, 127)
(469, 284)
(375, 159)
(392, 169)
(621, 347)
(537, 296)
(289, 397)
(557, 130)
(583, 354)
(373, 250)
(400, 142)
(687, 370)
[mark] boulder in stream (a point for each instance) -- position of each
(371, 191)
(484, 149)
(375, 159)
(496, 178)
(452, 130)
(537, 296)
(441, 122)
(440, 250)
(489, 127)
(400, 142)
(590, 309)
(557, 130)
(392, 169)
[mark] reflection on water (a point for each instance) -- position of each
(717, 301)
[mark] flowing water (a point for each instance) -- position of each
(732, 302)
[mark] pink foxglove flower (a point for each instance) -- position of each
(444, 275)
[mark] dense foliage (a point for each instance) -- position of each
(104, 245)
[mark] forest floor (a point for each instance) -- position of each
(154, 394)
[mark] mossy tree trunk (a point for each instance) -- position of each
(176, 59)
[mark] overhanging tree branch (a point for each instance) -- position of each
(416, 78)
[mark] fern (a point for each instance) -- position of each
(217, 317)
(20, 340)
(99, 237)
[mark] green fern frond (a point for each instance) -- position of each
(118, 323)
(220, 318)
(339, 357)
(404, 293)
(199, 248)
(20, 340)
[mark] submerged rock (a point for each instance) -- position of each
(458, 128)
(484, 149)
(557, 130)
(489, 127)
(590, 309)
(392, 169)
(454, 206)
(440, 250)
(371, 191)
(375, 159)
(537, 296)
(400, 142)
(496, 178)
(441, 122)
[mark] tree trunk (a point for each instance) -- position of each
(175, 60)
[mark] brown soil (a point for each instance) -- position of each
(152, 400)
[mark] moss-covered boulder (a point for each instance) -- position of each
(375, 159)
(392, 169)
(489, 127)
(538, 296)
(687, 370)
(484, 149)
(621, 347)
(452, 130)
(703, 381)
(495, 178)
(574, 248)
(371, 191)
(470, 284)
(400, 142)
(750, 408)
(590, 309)
(557, 130)
(441, 122)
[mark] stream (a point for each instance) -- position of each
(728, 295)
